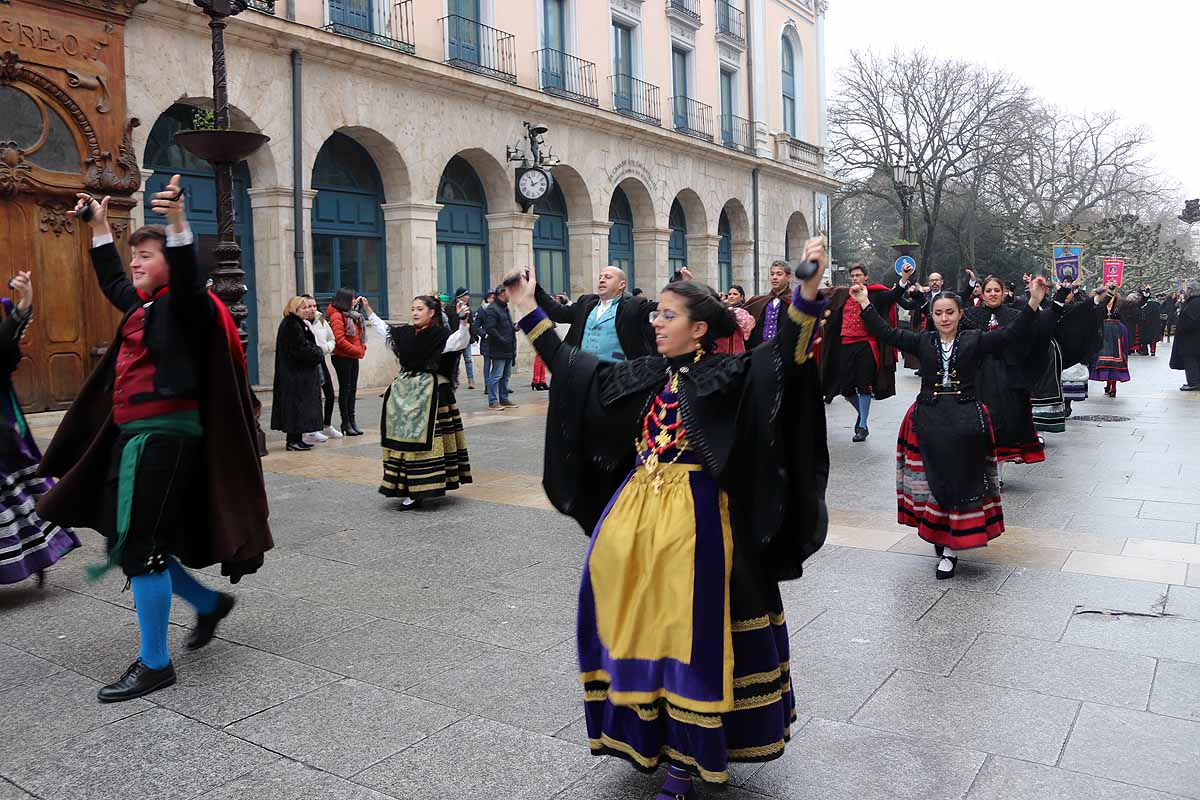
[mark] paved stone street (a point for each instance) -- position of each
(429, 654)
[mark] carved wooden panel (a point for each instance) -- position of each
(64, 130)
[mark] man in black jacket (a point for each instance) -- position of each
(610, 325)
(498, 344)
(164, 421)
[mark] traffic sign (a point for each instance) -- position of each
(905, 261)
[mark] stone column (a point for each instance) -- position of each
(137, 215)
(650, 260)
(510, 246)
(743, 265)
(308, 198)
(274, 268)
(411, 230)
(510, 243)
(588, 243)
(702, 257)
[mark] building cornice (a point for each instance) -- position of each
(282, 36)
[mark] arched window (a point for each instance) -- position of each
(462, 250)
(39, 131)
(620, 234)
(550, 251)
(677, 245)
(788, 70)
(199, 182)
(724, 253)
(347, 220)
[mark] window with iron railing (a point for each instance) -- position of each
(731, 21)
(635, 98)
(471, 45)
(691, 117)
(565, 75)
(689, 8)
(357, 19)
(735, 132)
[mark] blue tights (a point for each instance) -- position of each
(152, 597)
(861, 404)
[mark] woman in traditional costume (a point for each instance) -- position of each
(736, 342)
(1006, 378)
(424, 446)
(1112, 363)
(947, 481)
(28, 543)
(701, 480)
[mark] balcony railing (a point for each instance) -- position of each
(635, 98)
(691, 117)
(800, 153)
(731, 22)
(688, 8)
(735, 132)
(564, 75)
(262, 6)
(397, 34)
(471, 45)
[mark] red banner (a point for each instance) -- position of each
(1114, 270)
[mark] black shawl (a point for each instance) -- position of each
(418, 349)
(756, 420)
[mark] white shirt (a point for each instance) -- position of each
(603, 306)
(457, 341)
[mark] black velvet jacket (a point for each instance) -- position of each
(172, 322)
(755, 419)
(633, 324)
(972, 345)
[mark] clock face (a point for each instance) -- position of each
(533, 184)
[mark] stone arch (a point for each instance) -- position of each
(575, 192)
(497, 181)
(739, 220)
(693, 207)
(795, 235)
(641, 202)
(397, 186)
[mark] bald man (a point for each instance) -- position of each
(610, 324)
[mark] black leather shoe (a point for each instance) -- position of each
(860, 434)
(298, 446)
(351, 429)
(206, 624)
(138, 681)
(941, 574)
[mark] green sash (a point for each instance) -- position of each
(178, 424)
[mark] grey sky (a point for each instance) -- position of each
(1139, 59)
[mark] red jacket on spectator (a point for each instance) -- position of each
(345, 345)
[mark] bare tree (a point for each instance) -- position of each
(947, 119)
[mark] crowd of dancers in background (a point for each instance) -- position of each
(658, 408)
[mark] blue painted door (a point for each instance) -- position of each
(463, 31)
(354, 13)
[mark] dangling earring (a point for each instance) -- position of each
(699, 353)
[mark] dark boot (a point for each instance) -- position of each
(138, 681)
(353, 403)
(206, 624)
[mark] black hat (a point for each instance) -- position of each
(460, 291)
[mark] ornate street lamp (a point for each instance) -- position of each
(904, 181)
(224, 148)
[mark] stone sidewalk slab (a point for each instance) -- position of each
(838, 761)
(1000, 614)
(884, 643)
(345, 727)
(480, 758)
(1176, 690)
(1062, 670)
(1007, 778)
(1158, 637)
(113, 762)
(1136, 747)
(961, 713)
(289, 780)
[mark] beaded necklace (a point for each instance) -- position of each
(650, 447)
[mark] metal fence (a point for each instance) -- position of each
(396, 34)
(471, 45)
(692, 117)
(635, 98)
(564, 75)
(735, 132)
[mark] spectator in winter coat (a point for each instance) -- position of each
(499, 348)
(350, 346)
(1185, 352)
(323, 333)
(296, 399)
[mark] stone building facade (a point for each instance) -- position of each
(665, 116)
